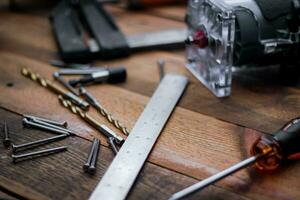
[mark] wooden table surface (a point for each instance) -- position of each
(203, 136)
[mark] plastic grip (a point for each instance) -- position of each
(117, 75)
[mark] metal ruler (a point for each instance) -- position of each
(124, 169)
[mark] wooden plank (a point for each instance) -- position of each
(16, 35)
(6, 196)
(60, 176)
(255, 103)
(192, 144)
(174, 12)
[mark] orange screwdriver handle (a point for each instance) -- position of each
(284, 144)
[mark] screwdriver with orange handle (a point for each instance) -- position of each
(268, 153)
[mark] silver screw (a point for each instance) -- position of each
(28, 123)
(90, 156)
(62, 124)
(45, 152)
(53, 126)
(6, 141)
(38, 142)
(92, 168)
(161, 67)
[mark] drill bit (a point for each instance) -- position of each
(96, 104)
(88, 118)
(55, 88)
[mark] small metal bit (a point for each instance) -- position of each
(96, 104)
(62, 124)
(111, 142)
(16, 158)
(161, 67)
(92, 168)
(53, 87)
(53, 126)
(90, 156)
(65, 83)
(70, 72)
(109, 133)
(36, 143)
(28, 123)
(6, 140)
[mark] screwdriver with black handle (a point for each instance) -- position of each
(268, 153)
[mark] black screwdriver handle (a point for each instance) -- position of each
(289, 137)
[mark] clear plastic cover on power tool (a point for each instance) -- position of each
(210, 59)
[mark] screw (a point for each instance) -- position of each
(6, 141)
(161, 67)
(92, 168)
(38, 142)
(90, 156)
(52, 126)
(45, 152)
(28, 123)
(62, 124)
(111, 142)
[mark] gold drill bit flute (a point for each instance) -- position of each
(96, 104)
(55, 88)
(88, 118)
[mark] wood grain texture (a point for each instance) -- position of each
(60, 176)
(258, 101)
(5, 196)
(191, 143)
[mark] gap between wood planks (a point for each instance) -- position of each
(204, 151)
(47, 164)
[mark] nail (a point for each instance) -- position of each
(111, 142)
(90, 156)
(36, 143)
(28, 123)
(161, 67)
(6, 141)
(52, 126)
(92, 168)
(62, 124)
(45, 152)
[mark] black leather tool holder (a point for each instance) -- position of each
(85, 31)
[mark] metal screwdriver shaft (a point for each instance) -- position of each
(206, 182)
(96, 104)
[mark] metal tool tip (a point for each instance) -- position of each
(82, 90)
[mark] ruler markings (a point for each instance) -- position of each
(124, 169)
